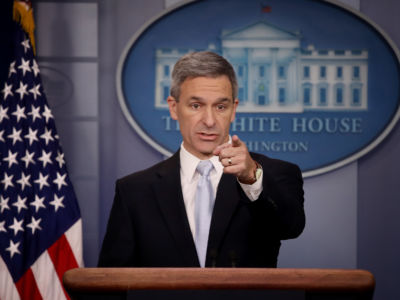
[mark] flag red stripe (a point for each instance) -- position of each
(27, 287)
(62, 257)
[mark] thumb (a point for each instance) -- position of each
(236, 142)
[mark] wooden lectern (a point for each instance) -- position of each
(316, 283)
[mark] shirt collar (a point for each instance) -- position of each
(189, 164)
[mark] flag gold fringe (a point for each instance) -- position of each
(23, 14)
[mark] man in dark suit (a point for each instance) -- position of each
(255, 201)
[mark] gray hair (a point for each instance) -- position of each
(201, 64)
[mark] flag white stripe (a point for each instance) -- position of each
(8, 290)
(74, 238)
(46, 278)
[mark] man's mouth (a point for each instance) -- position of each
(207, 136)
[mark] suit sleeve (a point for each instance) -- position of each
(118, 249)
(283, 193)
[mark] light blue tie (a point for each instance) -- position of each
(204, 204)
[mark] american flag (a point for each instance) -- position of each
(40, 222)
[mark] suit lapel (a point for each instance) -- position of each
(169, 197)
(225, 205)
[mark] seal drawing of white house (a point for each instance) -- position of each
(275, 74)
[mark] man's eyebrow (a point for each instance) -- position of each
(222, 99)
(195, 98)
(218, 101)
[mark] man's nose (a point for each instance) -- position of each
(209, 117)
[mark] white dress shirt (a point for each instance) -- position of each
(190, 178)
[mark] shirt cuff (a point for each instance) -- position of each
(254, 190)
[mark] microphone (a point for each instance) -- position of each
(212, 255)
(234, 258)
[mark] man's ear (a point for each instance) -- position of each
(172, 104)
(235, 104)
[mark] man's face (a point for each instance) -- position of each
(205, 110)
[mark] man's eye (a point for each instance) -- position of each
(195, 105)
(221, 107)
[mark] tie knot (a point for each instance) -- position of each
(204, 167)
